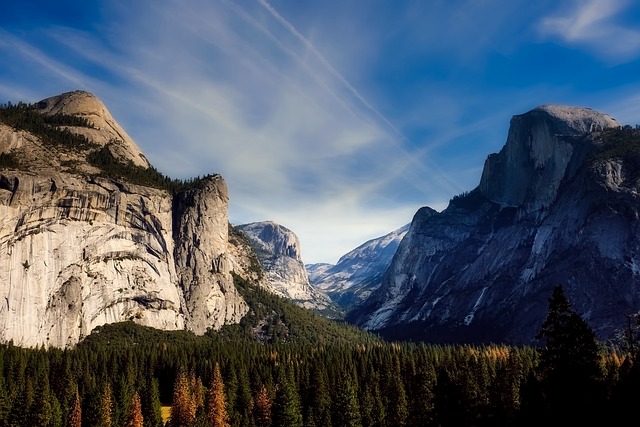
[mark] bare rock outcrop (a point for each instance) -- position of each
(559, 204)
(78, 250)
(201, 228)
(278, 250)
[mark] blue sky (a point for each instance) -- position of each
(335, 118)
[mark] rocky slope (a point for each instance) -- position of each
(559, 204)
(78, 250)
(278, 251)
(359, 272)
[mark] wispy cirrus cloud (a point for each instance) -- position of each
(336, 118)
(596, 24)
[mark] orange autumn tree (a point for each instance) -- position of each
(263, 408)
(75, 419)
(216, 402)
(183, 408)
(135, 418)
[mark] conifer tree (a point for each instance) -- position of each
(183, 407)
(286, 406)
(321, 399)
(40, 413)
(135, 419)
(263, 408)
(216, 403)
(75, 418)
(240, 412)
(570, 368)
(423, 400)
(151, 407)
(346, 407)
(56, 412)
(396, 396)
(105, 406)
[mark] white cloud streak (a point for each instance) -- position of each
(290, 115)
(593, 23)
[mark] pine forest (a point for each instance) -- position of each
(128, 375)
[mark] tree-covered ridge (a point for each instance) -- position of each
(272, 319)
(620, 142)
(623, 144)
(117, 169)
(52, 129)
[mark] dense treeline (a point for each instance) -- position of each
(50, 128)
(114, 168)
(124, 374)
(623, 144)
(375, 384)
(55, 131)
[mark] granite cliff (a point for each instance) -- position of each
(278, 251)
(559, 204)
(80, 247)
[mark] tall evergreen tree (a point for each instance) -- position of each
(41, 411)
(321, 399)
(286, 407)
(216, 402)
(105, 406)
(135, 419)
(346, 406)
(151, 407)
(75, 418)
(570, 368)
(396, 396)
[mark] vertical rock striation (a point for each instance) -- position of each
(201, 226)
(552, 207)
(78, 250)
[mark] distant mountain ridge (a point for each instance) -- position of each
(359, 272)
(559, 204)
(278, 250)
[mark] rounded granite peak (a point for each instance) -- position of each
(77, 102)
(105, 130)
(579, 119)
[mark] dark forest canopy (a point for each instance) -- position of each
(350, 379)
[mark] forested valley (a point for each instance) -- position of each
(128, 375)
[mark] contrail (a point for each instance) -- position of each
(328, 65)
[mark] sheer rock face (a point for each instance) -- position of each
(278, 250)
(78, 251)
(201, 227)
(545, 213)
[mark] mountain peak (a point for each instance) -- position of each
(540, 145)
(105, 131)
(578, 119)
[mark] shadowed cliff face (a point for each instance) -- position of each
(78, 251)
(528, 170)
(545, 213)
